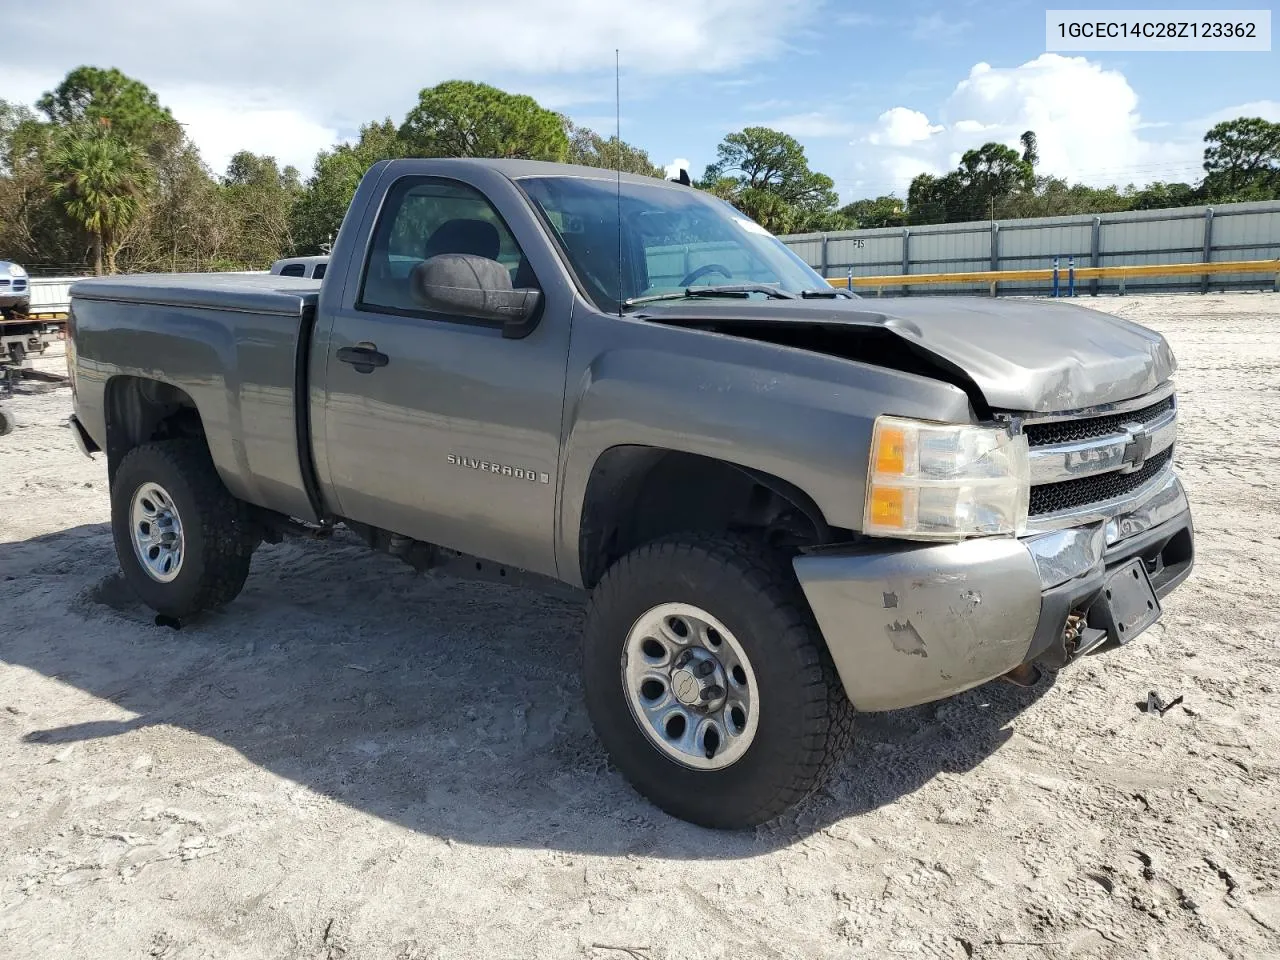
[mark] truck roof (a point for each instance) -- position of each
(521, 169)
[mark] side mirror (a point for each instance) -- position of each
(463, 285)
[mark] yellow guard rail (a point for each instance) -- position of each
(993, 277)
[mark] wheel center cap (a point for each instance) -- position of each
(686, 687)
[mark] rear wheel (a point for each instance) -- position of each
(709, 683)
(183, 541)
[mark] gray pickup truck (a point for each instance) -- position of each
(786, 503)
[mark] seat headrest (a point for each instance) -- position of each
(479, 238)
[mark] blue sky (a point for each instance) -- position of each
(856, 62)
(875, 91)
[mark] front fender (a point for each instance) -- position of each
(803, 417)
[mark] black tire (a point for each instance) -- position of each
(805, 720)
(218, 542)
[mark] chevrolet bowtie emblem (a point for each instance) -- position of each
(1137, 449)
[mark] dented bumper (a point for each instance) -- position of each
(907, 624)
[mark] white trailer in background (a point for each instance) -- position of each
(23, 331)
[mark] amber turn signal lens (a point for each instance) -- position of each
(891, 450)
(887, 507)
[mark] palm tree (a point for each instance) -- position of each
(101, 181)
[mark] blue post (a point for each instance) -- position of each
(1055, 278)
(1071, 276)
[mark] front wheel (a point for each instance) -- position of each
(183, 541)
(709, 683)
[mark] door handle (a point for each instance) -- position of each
(364, 357)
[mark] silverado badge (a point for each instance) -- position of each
(500, 469)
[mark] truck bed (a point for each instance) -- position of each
(236, 344)
(247, 292)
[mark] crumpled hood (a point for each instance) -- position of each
(1024, 355)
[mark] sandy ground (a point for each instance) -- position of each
(351, 761)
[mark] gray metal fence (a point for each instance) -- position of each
(1238, 231)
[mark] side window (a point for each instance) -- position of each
(294, 270)
(318, 273)
(422, 218)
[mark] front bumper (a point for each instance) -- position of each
(11, 296)
(909, 623)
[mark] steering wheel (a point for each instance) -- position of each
(703, 270)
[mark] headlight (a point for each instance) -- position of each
(931, 481)
(16, 271)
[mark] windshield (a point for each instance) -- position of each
(672, 240)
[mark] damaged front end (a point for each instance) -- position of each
(1104, 582)
(952, 581)
(1108, 535)
(1034, 357)
(911, 624)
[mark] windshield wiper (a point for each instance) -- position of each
(720, 290)
(829, 293)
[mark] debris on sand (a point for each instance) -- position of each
(1154, 703)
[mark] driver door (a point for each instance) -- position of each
(455, 438)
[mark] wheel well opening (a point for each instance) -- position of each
(638, 494)
(141, 411)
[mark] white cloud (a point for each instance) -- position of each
(857, 20)
(900, 127)
(258, 123)
(763, 106)
(329, 66)
(675, 166)
(936, 28)
(1266, 109)
(329, 57)
(814, 124)
(22, 84)
(1085, 118)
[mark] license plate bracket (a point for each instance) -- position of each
(1127, 604)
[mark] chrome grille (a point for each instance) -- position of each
(1073, 431)
(1070, 494)
(1101, 462)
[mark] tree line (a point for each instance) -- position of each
(101, 176)
(997, 182)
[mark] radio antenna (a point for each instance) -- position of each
(617, 157)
